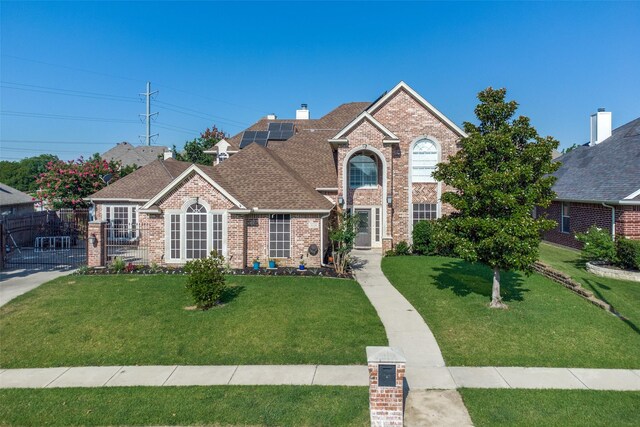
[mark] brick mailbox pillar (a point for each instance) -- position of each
(386, 386)
(97, 244)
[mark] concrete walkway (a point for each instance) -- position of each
(16, 282)
(404, 325)
(345, 375)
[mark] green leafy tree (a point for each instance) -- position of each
(194, 150)
(501, 172)
(342, 235)
(21, 174)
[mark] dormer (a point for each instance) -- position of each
(221, 151)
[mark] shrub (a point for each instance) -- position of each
(423, 238)
(118, 265)
(206, 281)
(598, 245)
(390, 252)
(628, 253)
(402, 248)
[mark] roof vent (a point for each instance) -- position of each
(302, 113)
(167, 155)
(600, 126)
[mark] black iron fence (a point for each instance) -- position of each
(46, 239)
(127, 243)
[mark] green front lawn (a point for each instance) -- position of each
(141, 320)
(163, 406)
(552, 407)
(622, 295)
(545, 325)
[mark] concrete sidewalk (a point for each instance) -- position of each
(345, 375)
(16, 282)
(404, 325)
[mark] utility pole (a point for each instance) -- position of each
(147, 117)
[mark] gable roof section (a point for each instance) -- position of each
(260, 179)
(606, 172)
(144, 183)
(389, 137)
(177, 181)
(415, 95)
(11, 196)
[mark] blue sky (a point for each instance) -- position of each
(71, 71)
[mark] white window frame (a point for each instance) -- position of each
(434, 212)
(418, 164)
(374, 159)
(183, 228)
(109, 211)
(271, 254)
(563, 216)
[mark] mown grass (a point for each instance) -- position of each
(622, 295)
(545, 325)
(500, 407)
(141, 320)
(163, 406)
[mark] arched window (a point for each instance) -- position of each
(423, 161)
(196, 229)
(363, 171)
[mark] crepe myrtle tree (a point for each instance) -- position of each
(501, 173)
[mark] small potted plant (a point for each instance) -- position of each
(256, 263)
(302, 263)
(272, 263)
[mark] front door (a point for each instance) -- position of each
(363, 238)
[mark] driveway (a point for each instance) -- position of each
(16, 282)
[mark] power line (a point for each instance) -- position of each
(199, 112)
(37, 141)
(67, 92)
(62, 117)
(36, 150)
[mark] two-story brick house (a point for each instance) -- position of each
(276, 186)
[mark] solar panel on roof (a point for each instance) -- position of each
(280, 131)
(258, 136)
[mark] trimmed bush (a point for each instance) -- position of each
(628, 253)
(402, 248)
(598, 245)
(206, 281)
(423, 237)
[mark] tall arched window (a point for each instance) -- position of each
(196, 229)
(363, 171)
(423, 161)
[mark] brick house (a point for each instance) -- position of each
(275, 187)
(598, 184)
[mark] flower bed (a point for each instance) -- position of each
(280, 271)
(607, 270)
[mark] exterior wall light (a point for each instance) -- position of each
(93, 240)
(340, 200)
(389, 199)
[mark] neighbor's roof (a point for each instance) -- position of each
(10, 196)
(606, 172)
(129, 155)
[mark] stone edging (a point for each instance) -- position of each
(603, 271)
(566, 281)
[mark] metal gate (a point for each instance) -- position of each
(46, 239)
(127, 243)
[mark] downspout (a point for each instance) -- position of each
(613, 220)
(322, 218)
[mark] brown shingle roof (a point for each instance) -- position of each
(145, 182)
(11, 196)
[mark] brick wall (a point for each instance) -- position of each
(406, 118)
(584, 215)
(386, 404)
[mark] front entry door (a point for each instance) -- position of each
(363, 238)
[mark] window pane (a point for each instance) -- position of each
(363, 172)
(280, 236)
(423, 161)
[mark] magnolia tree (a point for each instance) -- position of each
(501, 173)
(343, 235)
(65, 184)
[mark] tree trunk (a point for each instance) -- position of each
(496, 299)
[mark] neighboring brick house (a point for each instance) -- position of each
(598, 184)
(276, 187)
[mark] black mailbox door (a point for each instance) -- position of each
(386, 375)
